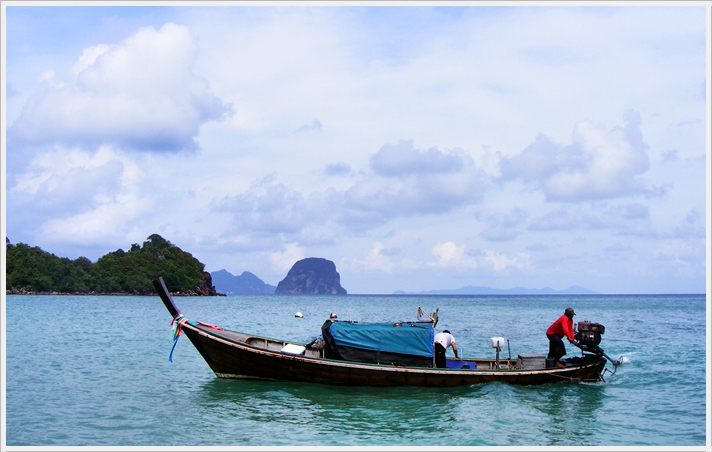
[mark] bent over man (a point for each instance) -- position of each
(442, 342)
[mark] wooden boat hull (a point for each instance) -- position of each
(230, 359)
(232, 355)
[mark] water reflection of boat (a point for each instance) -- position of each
(237, 355)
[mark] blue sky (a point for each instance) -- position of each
(418, 147)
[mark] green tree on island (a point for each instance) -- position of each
(35, 270)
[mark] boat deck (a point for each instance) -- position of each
(231, 354)
(273, 345)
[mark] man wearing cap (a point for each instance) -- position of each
(564, 326)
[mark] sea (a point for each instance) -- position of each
(94, 371)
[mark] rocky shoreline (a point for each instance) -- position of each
(204, 288)
(190, 293)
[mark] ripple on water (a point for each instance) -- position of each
(94, 371)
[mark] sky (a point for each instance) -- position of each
(417, 147)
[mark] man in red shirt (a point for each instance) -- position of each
(563, 327)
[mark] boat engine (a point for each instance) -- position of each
(589, 334)
(588, 337)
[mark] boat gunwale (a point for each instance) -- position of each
(211, 333)
(201, 334)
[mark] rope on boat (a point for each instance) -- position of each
(563, 377)
(210, 325)
(176, 331)
(600, 377)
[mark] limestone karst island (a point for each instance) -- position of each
(31, 270)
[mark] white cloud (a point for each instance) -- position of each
(372, 134)
(623, 219)
(268, 209)
(502, 227)
(407, 182)
(89, 56)
(501, 262)
(402, 159)
(284, 259)
(448, 254)
(338, 169)
(680, 257)
(376, 260)
(48, 78)
(485, 262)
(372, 200)
(141, 94)
(314, 125)
(599, 164)
(691, 227)
(82, 198)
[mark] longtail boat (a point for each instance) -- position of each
(344, 357)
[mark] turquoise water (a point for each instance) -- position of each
(94, 371)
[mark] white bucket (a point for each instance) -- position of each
(293, 349)
(497, 342)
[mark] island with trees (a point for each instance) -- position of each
(33, 270)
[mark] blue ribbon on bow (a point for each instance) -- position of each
(176, 331)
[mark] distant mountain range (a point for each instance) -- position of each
(247, 283)
(313, 275)
(481, 290)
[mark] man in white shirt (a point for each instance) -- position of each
(442, 342)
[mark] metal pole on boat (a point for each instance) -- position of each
(615, 363)
(497, 343)
(597, 349)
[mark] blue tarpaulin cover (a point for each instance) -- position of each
(410, 338)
